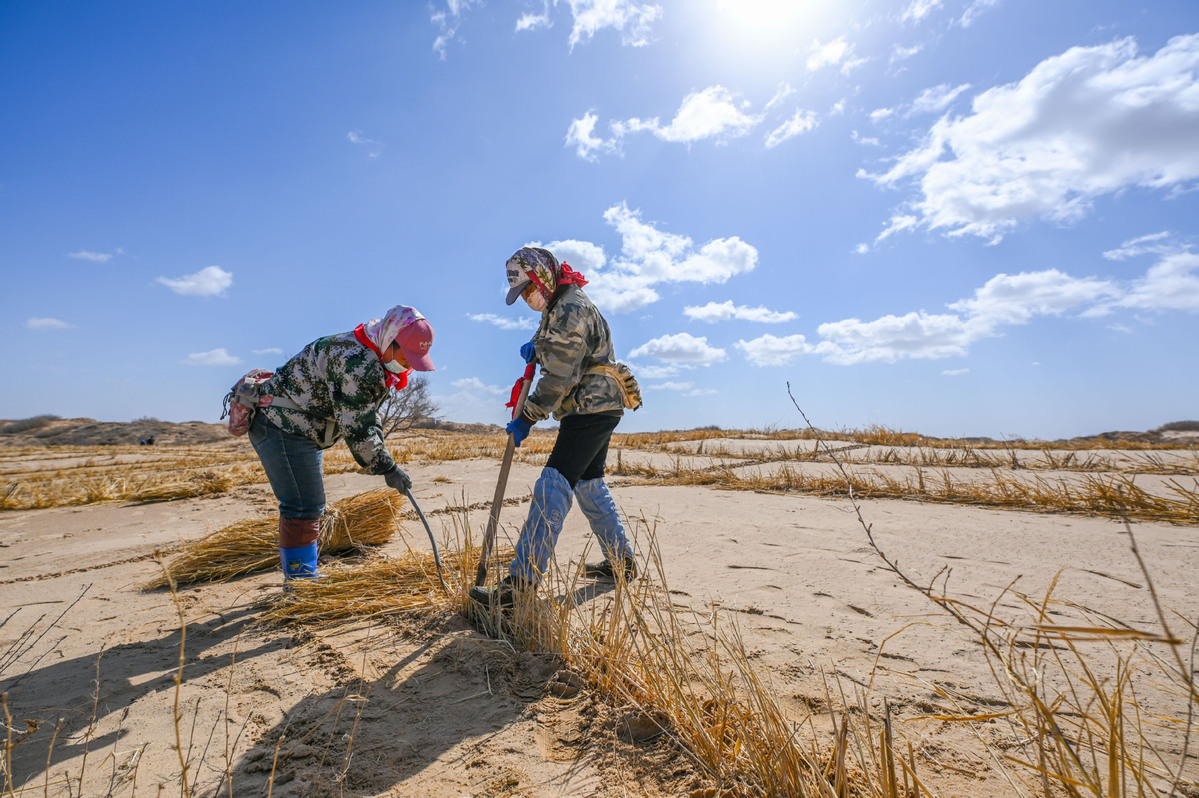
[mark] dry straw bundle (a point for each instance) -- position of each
(250, 546)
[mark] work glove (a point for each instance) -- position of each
(396, 478)
(519, 429)
(528, 351)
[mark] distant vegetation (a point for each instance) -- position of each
(26, 424)
(1179, 426)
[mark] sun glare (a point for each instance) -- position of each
(768, 29)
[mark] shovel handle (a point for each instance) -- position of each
(497, 501)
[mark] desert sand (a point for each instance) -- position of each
(429, 706)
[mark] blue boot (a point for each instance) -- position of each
(539, 535)
(298, 547)
(299, 562)
(596, 502)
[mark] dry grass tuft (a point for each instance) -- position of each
(250, 546)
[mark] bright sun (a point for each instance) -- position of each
(766, 28)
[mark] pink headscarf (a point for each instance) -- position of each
(378, 334)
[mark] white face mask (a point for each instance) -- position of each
(394, 367)
(536, 301)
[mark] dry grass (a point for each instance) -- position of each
(250, 546)
(1114, 496)
(37, 478)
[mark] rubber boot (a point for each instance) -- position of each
(298, 547)
(551, 502)
(596, 502)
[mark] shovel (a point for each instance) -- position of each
(497, 501)
(433, 540)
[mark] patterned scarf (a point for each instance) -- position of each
(378, 334)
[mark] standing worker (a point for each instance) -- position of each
(333, 389)
(578, 385)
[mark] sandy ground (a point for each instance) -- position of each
(434, 708)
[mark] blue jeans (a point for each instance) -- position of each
(295, 467)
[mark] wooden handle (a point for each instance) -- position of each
(497, 501)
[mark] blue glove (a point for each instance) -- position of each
(528, 351)
(519, 429)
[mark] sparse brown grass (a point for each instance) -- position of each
(1073, 704)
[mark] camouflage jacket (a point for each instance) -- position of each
(336, 378)
(572, 339)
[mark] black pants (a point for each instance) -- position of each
(581, 449)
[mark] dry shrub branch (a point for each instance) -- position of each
(1077, 726)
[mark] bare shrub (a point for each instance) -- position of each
(404, 408)
(26, 424)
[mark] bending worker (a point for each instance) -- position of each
(333, 389)
(573, 346)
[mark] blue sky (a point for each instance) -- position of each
(957, 217)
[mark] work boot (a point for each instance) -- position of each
(606, 569)
(503, 596)
(298, 549)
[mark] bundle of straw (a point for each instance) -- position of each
(252, 545)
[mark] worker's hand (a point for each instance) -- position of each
(519, 428)
(528, 351)
(396, 478)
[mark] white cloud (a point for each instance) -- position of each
(504, 322)
(448, 22)
(270, 350)
(1081, 125)
(1170, 284)
(581, 255)
(655, 372)
(955, 372)
(681, 348)
(770, 350)
(476, 385)
(633, 20)
(710, 113)
(650, 256)
(95, 257)
(701, 392)
(713, 113)
(828, 54)
(534, 21)
(936, 99)
(919, 9)
(879, 114)
(373, 148)
(209, 281)
(216, 357)
(892, 338)
(581, 135)
(800, 122)
(898, 222)
(976, 9)
(899, 53)
(673, 386)
(1156, 243)
(1015, 299)
(725, 311)
(47, 324)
